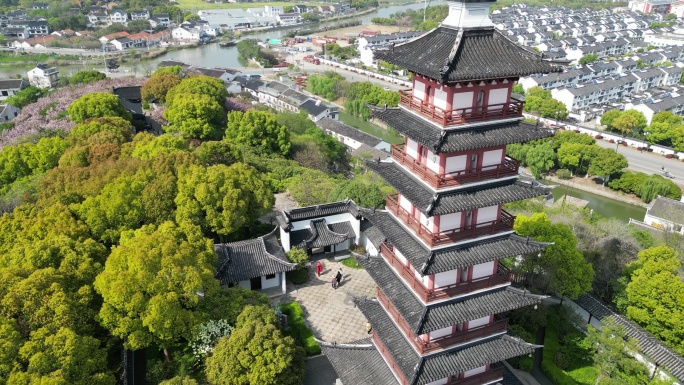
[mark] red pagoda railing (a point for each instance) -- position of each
(462, 336)
(508, 168)
(514, 108)
(388, 357)
(503, 223)
(387, 251)
(494, 373)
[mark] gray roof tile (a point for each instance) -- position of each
(452, 55)
(459, 139)
(668, 209)
(359, 364)
(431, 203)
(320, 234)
(317, 211)
(346, 130)
(238, 261)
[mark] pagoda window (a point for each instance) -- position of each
(446, 278)
(482, 270)
(447, 331)
(463, 100)
(475, 371)
(412, 149)
(487, 215)
(479, 322)
(428, 94)
(401, 257)
(419, 90)
(449, 222)
(405, 204)
(427, 222)
(431, 160)
(493, 158)
(455, 163)
(479, 103)
(440, 98)
(468, 219)
(473, 162)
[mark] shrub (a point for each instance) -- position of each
(299, 276)
(561, 360)
(352, 263)
(298, 330)
(564, 174)
(297, 255)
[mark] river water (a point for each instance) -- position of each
(211, 55)
(603, 206)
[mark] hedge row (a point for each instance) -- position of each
(298, 330)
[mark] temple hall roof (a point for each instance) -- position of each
(433, 203)
(423, 370)
(454, 55)
(312, 212)
(667, 209)
(239, 261)
(424, 319)
(359, 363)
(321, 234)
(459, 139)
(429, 262)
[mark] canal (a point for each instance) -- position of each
(211, 55)
(603, 206)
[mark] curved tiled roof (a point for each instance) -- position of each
(359, 363)
(656, 350)
(424, 319)
(423, 370)
(429, 262)
(243, 260)
(431, 203)
(320, 234)
(454, 55)
(285, 217)
(459, 139)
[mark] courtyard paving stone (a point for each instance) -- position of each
(331, 313)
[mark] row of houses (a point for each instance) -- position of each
(101, 17)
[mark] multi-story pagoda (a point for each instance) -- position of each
(441, 288)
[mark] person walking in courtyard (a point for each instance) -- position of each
(338, 278)
(319, 268)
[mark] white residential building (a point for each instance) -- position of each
(185, 34)
(118, 16)
(43, 76)
(9, 87)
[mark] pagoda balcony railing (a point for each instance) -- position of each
(459, 337)
(514, 108)
(502, 276)
(508, 168)
(503, 223)
(494, 373)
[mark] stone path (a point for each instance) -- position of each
(331, 313)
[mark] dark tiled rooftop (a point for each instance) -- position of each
(348, 131)
(429, 262)
(359, 364)
(668, 209)
(318, 211)
(320, 234)
(238, 261)
(451, 55)
(431, 203)
(461, 139)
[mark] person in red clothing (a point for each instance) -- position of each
(319, 268)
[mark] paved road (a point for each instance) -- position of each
(648, 162)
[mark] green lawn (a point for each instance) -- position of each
(578, 373)
(297, 329)
(196, 5)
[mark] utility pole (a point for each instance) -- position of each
(425, 9)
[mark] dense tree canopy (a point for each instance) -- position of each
(194, 116)
(256, 353)
(654, 295)
(158, 86)
(26, 96)
(200, 85)
(152, 284)
(87, 76)
(259, 130)
(97, 105)
(562, 264)
(222, 199)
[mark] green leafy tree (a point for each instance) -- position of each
(608, 117)
(588, 59)
(87, 76)
(10, 343)
(259, 130)
(576, 156)
(227, 304)
(256, 353)
(612, 359)
(152, 284)
(158, 86)
(211, 153)
(654, 295)
(97, 105)
(552, 108)
(63, 357)
(173, 70)
(222, 199)
(518, 89)
(135, 26)
(539, 92)
(630, 121)
(180, 380)
(26, 96)
(655, 185)
(194, 116)
(562, 265)
(364, 194)
(146, 146)
(120, 129)
(311, 187)
(325, 85)
(201, 85)
(541, 159)
(565, 136)
(606, 162)
(297, 255)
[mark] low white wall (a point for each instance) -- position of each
(372, 74)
